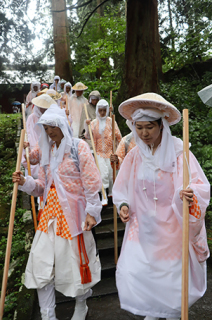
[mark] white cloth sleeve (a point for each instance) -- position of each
(201, 188)
(121, 185)
(32, 187)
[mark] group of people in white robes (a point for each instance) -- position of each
(147, 192)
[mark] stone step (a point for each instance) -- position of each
(108, 265)
(106, 245)
(104, 287)
(107, 230)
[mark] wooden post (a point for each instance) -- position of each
(111, 101)
(10, 229)
(185, 241)
(29, 169)
(94, 150)
(114, 207)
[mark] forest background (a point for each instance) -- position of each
(171, 55)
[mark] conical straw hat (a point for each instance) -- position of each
(147, 101)
(54, 94)
(79, 86)
(42, 92)
(43, 101)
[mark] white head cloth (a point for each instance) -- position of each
(166, 159)
(37, 112)
(35, 84)
(102, 120)
(54, 116)
(53, 85)
(129, 124)
(93, 97)
(68, 84)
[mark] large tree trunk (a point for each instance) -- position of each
(61, 40)
(142, 52)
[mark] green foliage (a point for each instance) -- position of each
(185, 32)
(8, 135)
(99, 52)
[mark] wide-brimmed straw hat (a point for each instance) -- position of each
(42, 92)
(79, 86)
(43, 101)
(148, 101)
(54, 94)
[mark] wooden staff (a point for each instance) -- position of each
(185, 241)
(114, 206)
(67, 108)
(111, 102)
(61, 105)
(56, 86)
(10, 229)
(94, 150)
(29, 169)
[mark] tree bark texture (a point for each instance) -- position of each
(142, 52)
(61, 40)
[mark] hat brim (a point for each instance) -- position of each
(42, 103)
(55, 96)
(42, 92)
(128, 107)
(76, 89)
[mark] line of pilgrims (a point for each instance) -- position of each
(147, 192)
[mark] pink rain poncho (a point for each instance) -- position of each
(149, 268)
(33, 138)
(77, 181)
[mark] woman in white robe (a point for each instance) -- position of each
(35, 89)
(76, 104)
(63, 253)
(148, 195)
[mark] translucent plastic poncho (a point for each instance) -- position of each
(148, 275)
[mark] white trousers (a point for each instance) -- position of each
(56, 259)
(106, 173)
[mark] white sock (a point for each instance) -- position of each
(80, 310)
(46, 298)
(48, 314)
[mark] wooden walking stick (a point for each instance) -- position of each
(185, 242)
(10, 229)
(111, 102)
(29, 169)
(94, 150)
(67, 108)
(114, 206)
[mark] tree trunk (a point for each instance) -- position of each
(171, 25)
(61, 40)
(142, 67)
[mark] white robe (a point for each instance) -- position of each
(148, 275)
